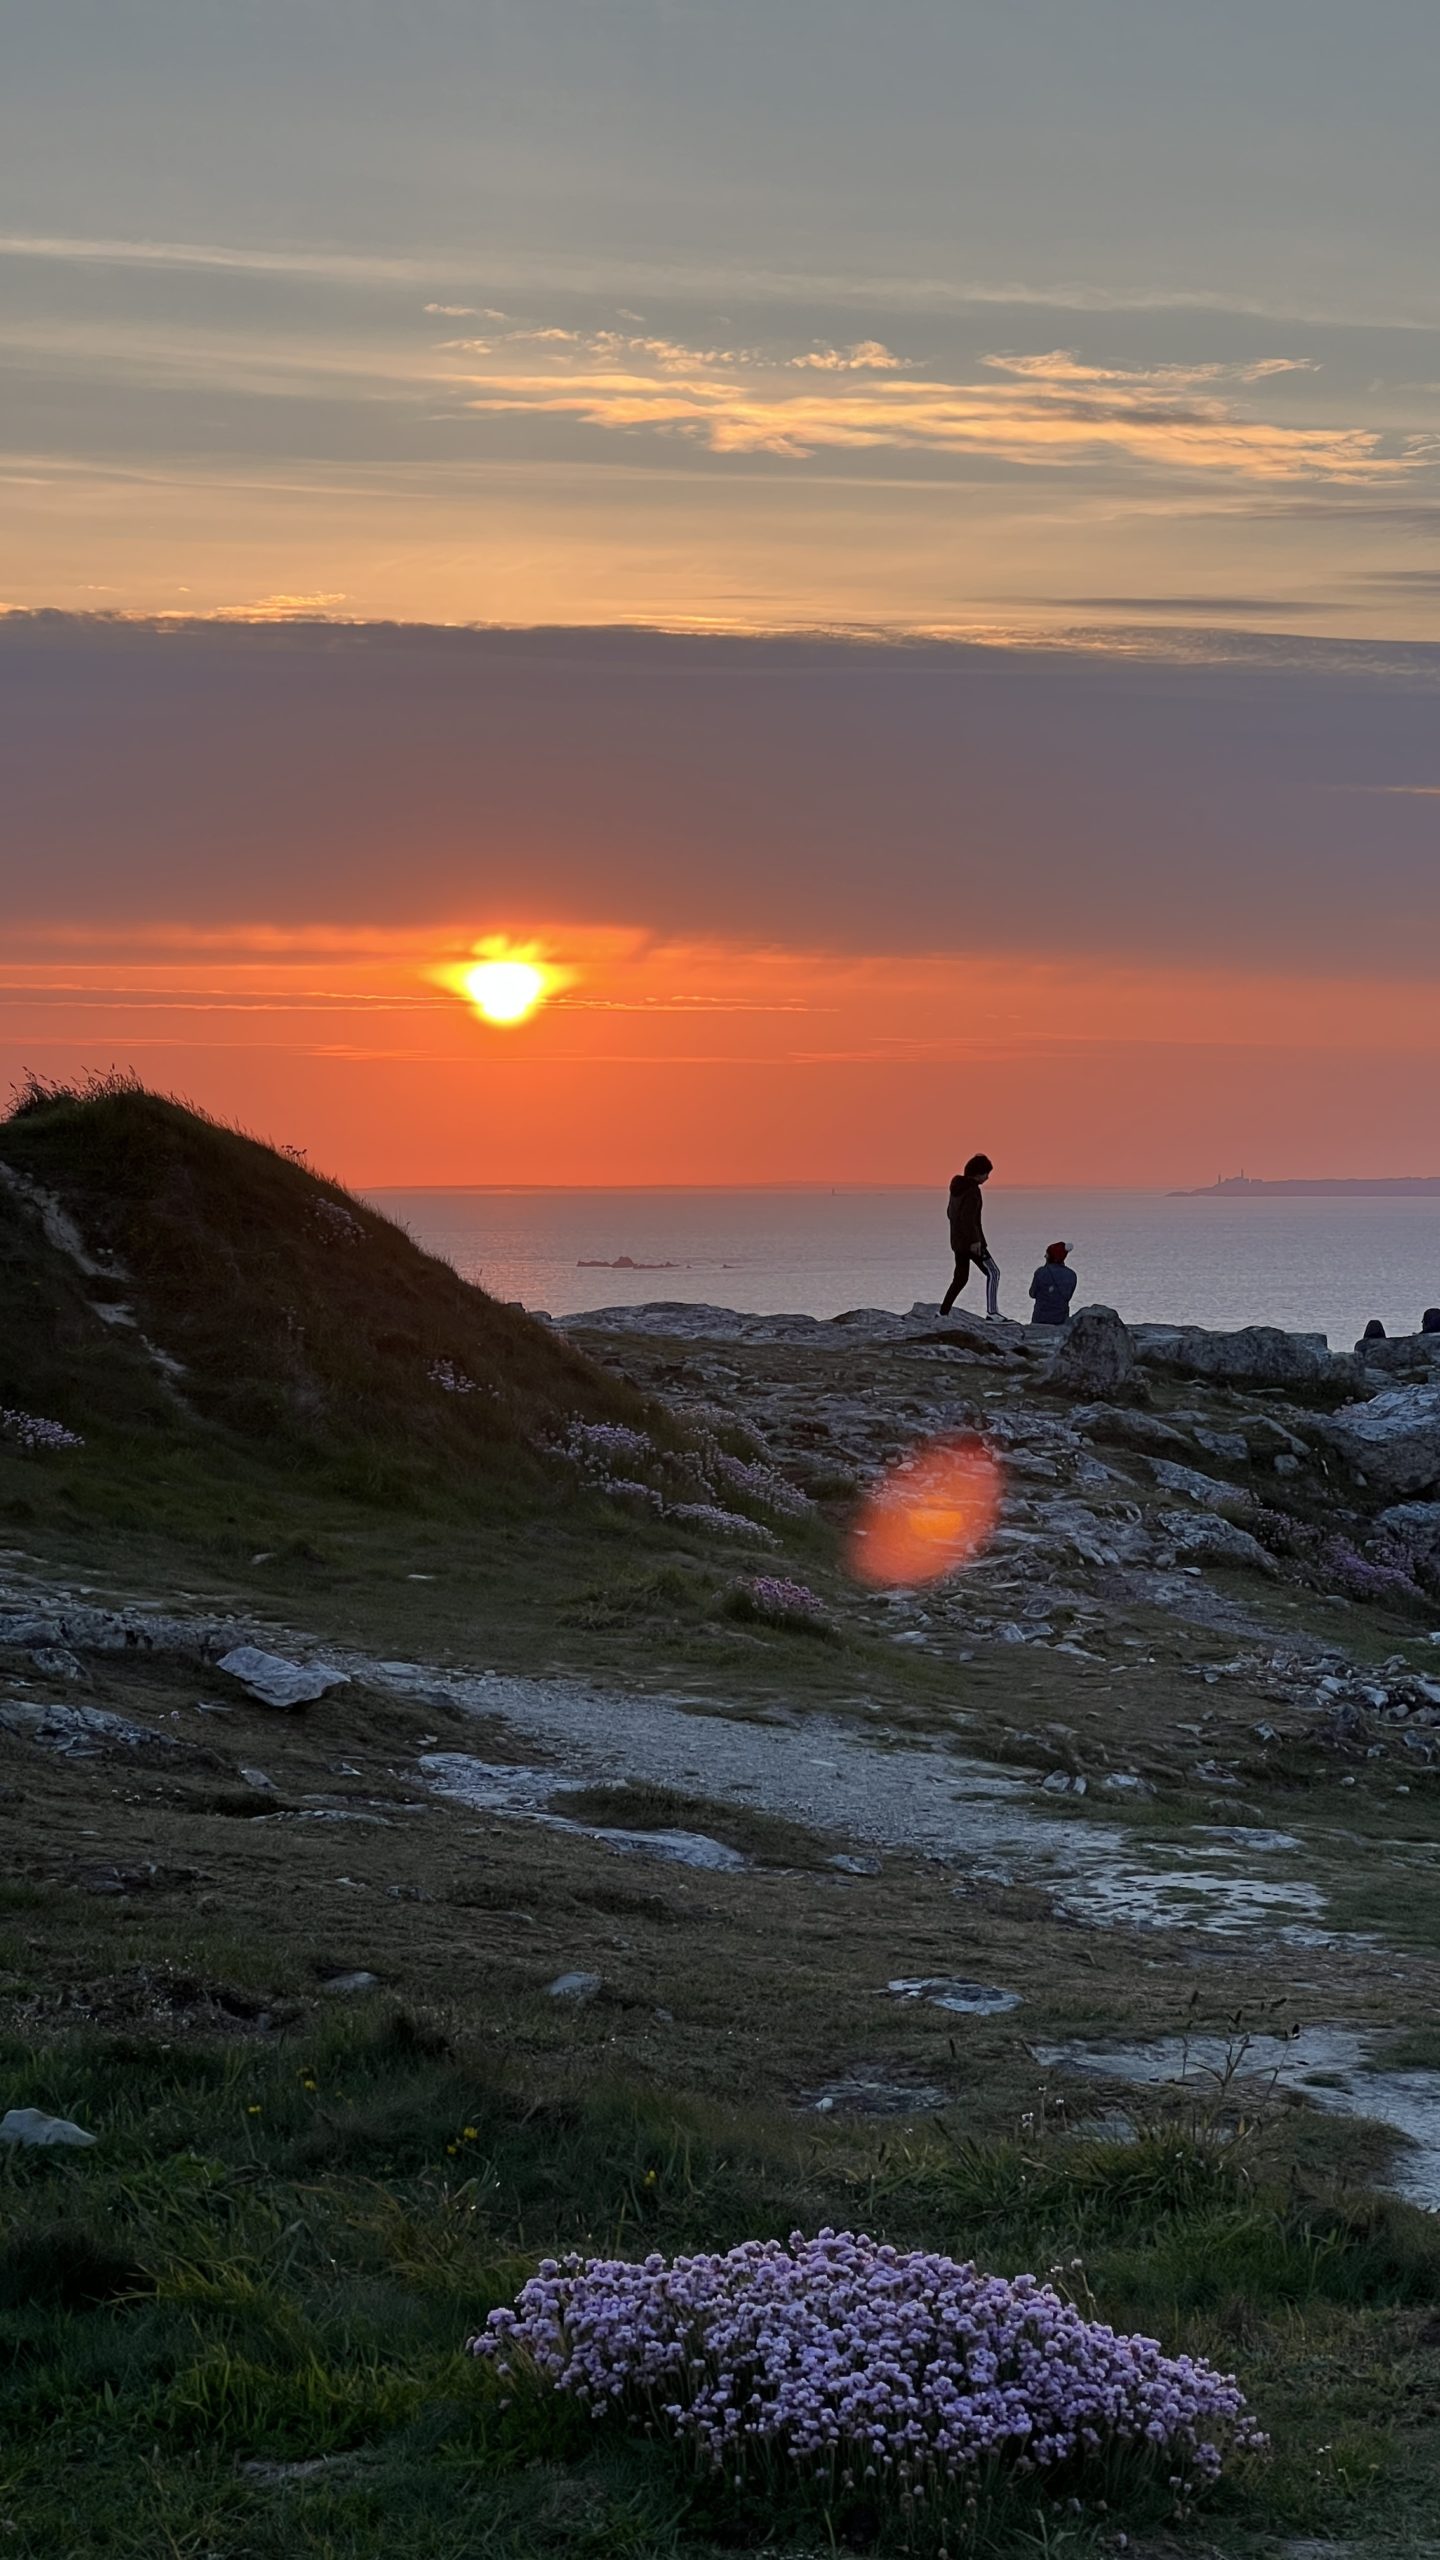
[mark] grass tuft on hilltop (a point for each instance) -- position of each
(238, 1303)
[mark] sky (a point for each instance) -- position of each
(897, 551)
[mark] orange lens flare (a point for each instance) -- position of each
(933, 1511)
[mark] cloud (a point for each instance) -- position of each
(1047, 408)
(341, 266)
(1244, 606)
(868, 355)
(885, 794)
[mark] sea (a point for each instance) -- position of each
(1310, 1265)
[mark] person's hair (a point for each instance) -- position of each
(1374, 1331)
(1056, 1252)
(1430, 1321)
(977, 1166)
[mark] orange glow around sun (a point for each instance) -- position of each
(930, 1514)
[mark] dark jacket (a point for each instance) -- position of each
(967, 1233)
(1052, 1289)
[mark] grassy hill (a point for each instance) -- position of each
(182, 1296)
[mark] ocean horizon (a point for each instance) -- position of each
(1318, 1264)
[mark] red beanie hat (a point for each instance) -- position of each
(1056, 1252)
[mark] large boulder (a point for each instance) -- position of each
(1393, 1441)
(1095, 1358)
(1202, 1537)
(1402, 1355)
(1259, 1355)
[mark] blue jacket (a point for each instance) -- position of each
(1052, 1289)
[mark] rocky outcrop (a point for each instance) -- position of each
(1259, 1355)
(1096, 1358)
(1393, 1441)
(1403, 1355)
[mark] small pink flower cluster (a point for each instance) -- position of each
(443, 1373)
(762, 1484)
(771, 1596)
(722, 1524)
(906, 2368)
(337, 1221)
(33, 1432)
(597, 1448)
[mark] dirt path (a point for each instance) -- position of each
(1232, 1880)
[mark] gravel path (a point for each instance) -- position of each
(904, 1798)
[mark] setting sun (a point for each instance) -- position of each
(505, 990)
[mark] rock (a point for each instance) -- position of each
(962, 1999)
(1414, 1526)
(1192, 1484)
(337, 1986)
(1124, 1782)
(58, 1662)
(257, 1779)
(34, 2130)
(1062, 1782)
(846, 1865)
(1202, 1537)
(276, 1682)
(86, 1630)
(1227, 1446)
(859, 2093)
(1129, 1429)
(1095, 1358)
(81, 1733)
(579, 1987)
(1415, 1355)
(1259, 1355)
(1392, 1442)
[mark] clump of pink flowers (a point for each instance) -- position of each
(32, 1432)
(761, 1484)
(900, 2370)
(780, 1602)
(456, 1382)
(720, 1523)
(598, 1448)
(336, 1221)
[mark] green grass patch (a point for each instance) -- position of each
(275, 2255)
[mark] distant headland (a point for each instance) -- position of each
(1232, 1186)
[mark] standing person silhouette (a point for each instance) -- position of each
(967, 1236)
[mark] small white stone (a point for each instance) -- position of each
(31, 2126)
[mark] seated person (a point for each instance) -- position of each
(1053, 1287)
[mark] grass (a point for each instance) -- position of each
(275, 2256)
(303, 1329)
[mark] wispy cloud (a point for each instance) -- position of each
(850, 289)
(341, 266)
(1046, 407)
(868, 355)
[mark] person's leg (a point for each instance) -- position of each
(992, 1285)
(962, 1274)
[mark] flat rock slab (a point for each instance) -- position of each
(857, 2093)
(276, 1682)
(962, 1999)
(81, 1733)
(31, 2128)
